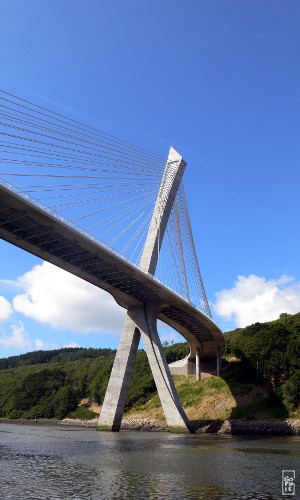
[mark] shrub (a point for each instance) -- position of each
(291, 391)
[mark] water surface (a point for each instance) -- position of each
(56, 462)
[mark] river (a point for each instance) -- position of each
(55, 462)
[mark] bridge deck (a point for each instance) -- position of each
(40, 232)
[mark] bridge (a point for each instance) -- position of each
(137, 244)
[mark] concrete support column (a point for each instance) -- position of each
(117, 390)
(219, 361)
(175, 416)
(198, 367)
(141, 320)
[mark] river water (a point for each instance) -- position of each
(56, 462)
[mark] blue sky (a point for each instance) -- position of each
(218, 80)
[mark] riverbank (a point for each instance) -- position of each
(134, 424)
(23, 421)
(289, 427)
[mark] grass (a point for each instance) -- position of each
(192, 392)
(260, 407)
(195, 397)
(83, 413)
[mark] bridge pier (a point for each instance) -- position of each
(198, 365)
(120, 377)
(141, 321)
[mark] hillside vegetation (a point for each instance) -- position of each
(50, 384)
(270, 352)
(260, 378)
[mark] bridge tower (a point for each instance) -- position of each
(141, 321)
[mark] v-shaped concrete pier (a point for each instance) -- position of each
(142, 321)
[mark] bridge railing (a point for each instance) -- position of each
(109, 249)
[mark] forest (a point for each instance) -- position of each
(50, 384)
(270, 352)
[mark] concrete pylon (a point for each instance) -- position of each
(173, 173)
(142, 320)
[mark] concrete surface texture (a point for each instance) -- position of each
(142, 320)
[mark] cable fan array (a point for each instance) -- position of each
(104, 185)
(177, 264)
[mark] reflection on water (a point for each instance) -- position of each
(48, 462)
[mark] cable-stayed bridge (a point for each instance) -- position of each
(115, 215)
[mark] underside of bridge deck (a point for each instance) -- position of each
(50, 237)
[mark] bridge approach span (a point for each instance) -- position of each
(36, 229)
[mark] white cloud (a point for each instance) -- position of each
(255, 299)
(11, 283)
(58, 298)
(39, 344)
(18, 338)
(5, 309)
(71, 344)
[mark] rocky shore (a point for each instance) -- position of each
(263, 427)
(129, 424)
(80, 423)
(227, 427)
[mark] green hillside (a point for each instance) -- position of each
(260, 377)
(50, 384)
(270, 352)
